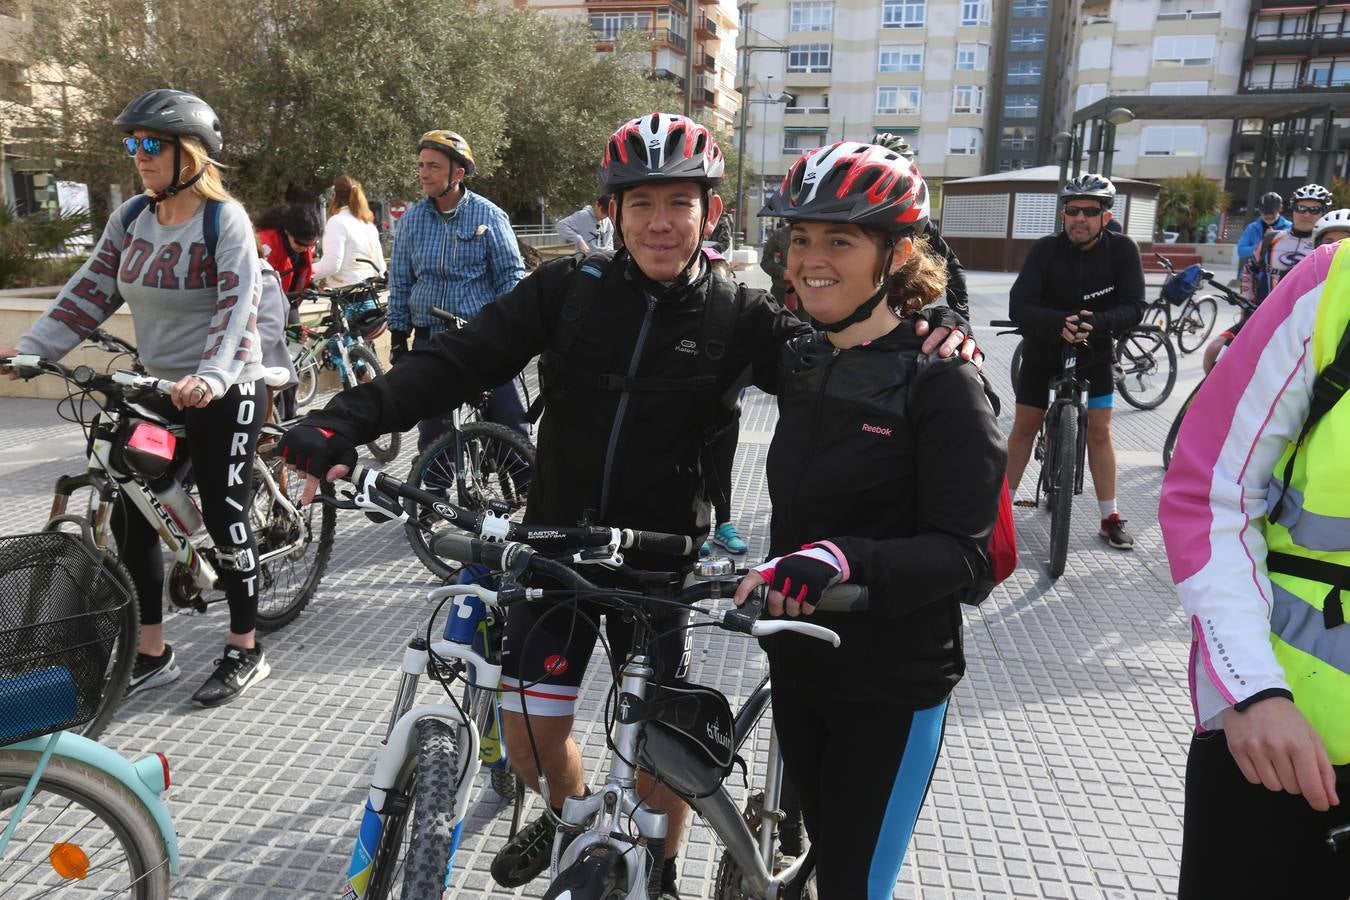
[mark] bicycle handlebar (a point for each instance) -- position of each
(29, 365)
(449, 318)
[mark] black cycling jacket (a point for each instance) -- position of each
(865, 455)
(655, 476)
(957, 296)
(1058, 279)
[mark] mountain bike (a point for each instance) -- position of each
(477, 464)
(1195, 317)
(416, 806)
(131, 453)
(1061, 448)
(77, 816)
(1145, 366)
(341, 343)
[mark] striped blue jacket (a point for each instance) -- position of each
(458, 266)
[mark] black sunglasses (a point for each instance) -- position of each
(1310, 210)
(152, 146)
(1087, 212)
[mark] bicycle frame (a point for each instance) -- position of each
(466, 616)
(1069, 390)
(147, 779)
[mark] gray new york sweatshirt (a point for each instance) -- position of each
(194, 314)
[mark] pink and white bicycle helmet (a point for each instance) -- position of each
(660, 147)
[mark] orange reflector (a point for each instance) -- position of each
(69, 861)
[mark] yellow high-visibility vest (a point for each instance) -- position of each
(1314, 527)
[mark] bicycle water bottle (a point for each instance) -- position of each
(176, 501)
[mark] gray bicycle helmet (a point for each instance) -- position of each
(1271, 202)
(1092, 185)
(1314, 192)
(173, 112)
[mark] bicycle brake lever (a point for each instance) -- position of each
(328, 497)
(744, 617)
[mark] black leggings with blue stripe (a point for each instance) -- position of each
(862, 773)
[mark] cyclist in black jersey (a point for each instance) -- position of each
(612, 446)
(863, 505)
(1082, 285)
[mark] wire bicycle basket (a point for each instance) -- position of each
(61, 609)
(1179, 287)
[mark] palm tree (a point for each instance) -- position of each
(1187, 199)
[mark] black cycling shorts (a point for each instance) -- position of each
(1041, 363)
(547, 647)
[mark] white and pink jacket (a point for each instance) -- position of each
(1215, 495)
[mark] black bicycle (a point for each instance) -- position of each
(1061, 448)
(1144, 366)
(1194, 318)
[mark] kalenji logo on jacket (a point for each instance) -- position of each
(876, 429)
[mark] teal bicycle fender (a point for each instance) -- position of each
(144, 778)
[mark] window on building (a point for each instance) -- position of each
(1130, 61)
(900, 58)
(1178, 88)
(809, 58)
(972, 56)
(606, 26)
(898, 100)
(963, 141)
(14, 84)
(1032, 9)
(1095, 53)
(1013, 165)
(812, 15)
(1333, 22)
(1024, 71)
(974, 12)
(1183, 50)
(807, 102)
(1089, 93)
(904, 13)
(968, 98)
(798, 141)
(1027, 40)
(1188, 9)
(1021, 106)
(1331, 71)
(1018, 137)
(1172, 140)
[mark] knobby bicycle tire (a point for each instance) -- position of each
(122, 654)
(1195, 323)
(496, 457)
(1015, 368)
(366, 367)
(287, 583)
(1064, 463)
(1170, 444)
(1146, 368)
(308, 385)
(104, 810)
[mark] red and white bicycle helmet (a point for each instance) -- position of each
(660, 147)
(860, 184)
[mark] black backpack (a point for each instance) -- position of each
(210, 220)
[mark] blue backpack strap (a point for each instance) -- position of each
(211, 225)
(133, 210)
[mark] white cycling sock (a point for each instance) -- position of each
(1108, 508)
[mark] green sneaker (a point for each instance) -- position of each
(729, 539)
(525, 855)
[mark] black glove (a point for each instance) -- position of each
(315, 450)
(944, 317)
(398, 345)
(805, 575)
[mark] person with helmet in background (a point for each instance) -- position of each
(1280, 250)
(183, 257)
(1081, 285)
(612, 447)
(957, 294)
(1270, 217)
(456, 252)
(871, 711)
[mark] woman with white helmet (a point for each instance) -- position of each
(1332, 227)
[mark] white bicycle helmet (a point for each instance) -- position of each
(1090, 184)
(1313, 192)
(1336, 220)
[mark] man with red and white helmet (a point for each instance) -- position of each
(1282, 249)
(637, 351)
(869, 506)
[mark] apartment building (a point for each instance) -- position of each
(821, 71)
(710, 57)
(25, 182)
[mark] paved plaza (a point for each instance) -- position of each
(1061, 774)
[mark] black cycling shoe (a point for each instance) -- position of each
(527, 854)
(236, 672)
(669, 873)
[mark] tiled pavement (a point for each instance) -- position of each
(1061, 775)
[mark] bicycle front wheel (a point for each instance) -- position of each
(1170, 445)
(309, 382)
(483, 463)
(366, 368)
(1196, 323)
(293, 548)
(83, 834)
(1063, 457)
(122, 654)
(1146, 368)
(417, 861)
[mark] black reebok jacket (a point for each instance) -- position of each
(897, 460)
(654, 470)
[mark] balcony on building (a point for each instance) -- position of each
(1302, 31)
(706, 63)
(705, 28)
